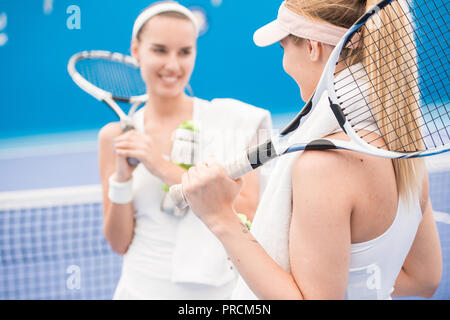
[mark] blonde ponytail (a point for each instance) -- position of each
(394, 99)
(387, 51)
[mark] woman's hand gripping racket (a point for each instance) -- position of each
(378, 95)
(111, 78)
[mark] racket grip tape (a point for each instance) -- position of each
(259, 155)
(131, 161)
(234, 169)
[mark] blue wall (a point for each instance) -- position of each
(37, 95)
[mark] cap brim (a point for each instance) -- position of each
(269, 34)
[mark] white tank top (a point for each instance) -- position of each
(164, 259)
(147, 269)
(375, 264)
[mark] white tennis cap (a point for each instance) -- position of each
(289, 22)
(166, 6)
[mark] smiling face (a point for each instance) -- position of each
(166, 52)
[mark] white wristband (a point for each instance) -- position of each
(120, 192)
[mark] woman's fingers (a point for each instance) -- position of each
(128, 153)
(131, 135)
(131, 140)
(124, 136)
(125, 145)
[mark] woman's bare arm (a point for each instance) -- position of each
(422, 270)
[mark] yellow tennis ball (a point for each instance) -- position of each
(188, 125)
(244, 220)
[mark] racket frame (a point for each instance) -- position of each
(126, 120)
(327, 80)
(99, 93)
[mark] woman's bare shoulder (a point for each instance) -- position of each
(109, 131)
(324, 162)
(341, 171)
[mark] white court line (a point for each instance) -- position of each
(441, 217)
(48, 145)
(84, 194)
(43, 198)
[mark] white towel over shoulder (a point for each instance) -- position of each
(226, 126)
(273, 217)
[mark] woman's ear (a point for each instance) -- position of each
(135, 49)
(314, 50)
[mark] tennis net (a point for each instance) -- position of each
(52, 244)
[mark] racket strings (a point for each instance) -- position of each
(371, 116)
(354, 53)
(432, 40)
(428, 59)
(362, 77)
(414, 142)
(429, 92)
(120, 79)
(401, 127)
(123, 75)
(354, 41)
(429, 112)
(357, 79)
(437, 91)
(128, 77)
(367, 115)
(424, 17)
(423, 125)
(443, 34)
(364, 108)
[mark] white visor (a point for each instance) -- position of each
(289, 22)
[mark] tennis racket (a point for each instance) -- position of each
(363, 90)
(112, 78)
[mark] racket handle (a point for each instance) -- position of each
(133, 161)
(234, 169)
(177, 196)
(127, 127)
